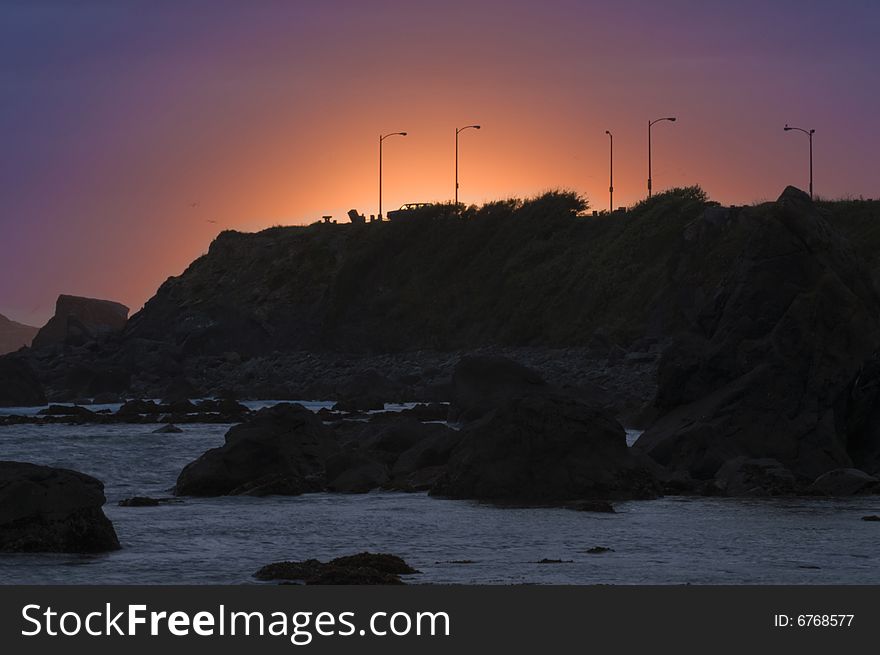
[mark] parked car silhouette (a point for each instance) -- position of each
(409, 210)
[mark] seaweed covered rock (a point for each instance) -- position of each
(361, 569)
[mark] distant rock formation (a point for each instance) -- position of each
(14, 335)
(78, 320)
(52, 510)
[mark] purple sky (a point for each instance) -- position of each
(117, 117)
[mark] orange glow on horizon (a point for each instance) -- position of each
(271, 115)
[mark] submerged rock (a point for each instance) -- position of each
(64, 410)
(139, 501)
(168, 429)
(598, 506)
(45, 509)
(361, 569)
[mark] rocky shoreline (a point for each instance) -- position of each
(744, 340)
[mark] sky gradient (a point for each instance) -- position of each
(117, 117)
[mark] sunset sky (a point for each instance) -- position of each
(117, 117)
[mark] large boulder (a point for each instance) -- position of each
(845, 482)
(782, 318)
(44, 509)
(481, 383)
(538, 445)
(280, 450)
(19, 386)
(78, 320)
(755, 477)
(420, 466)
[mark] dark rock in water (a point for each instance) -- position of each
(428, 412)
(543, 447)
(78, 320)
(355, 472)
(168, 429)
(366, 402)
(419, 467)
(44, 509)
(872, 517)
(138, 407)
(599, 506)
(65, 410)
(388, 439)
(598, 550)
(845, 482)
(782, 318)
(360, 569)
(139, 501)
(179, 407)
(280, 450)
(224, 406)
(390, 451)
(19, 386)
(755, 477)
(480, 383)
(554, 561)
(380, 561)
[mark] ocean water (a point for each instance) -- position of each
(672, 540)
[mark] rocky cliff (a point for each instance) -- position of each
(14, 335)
(80, 320)
(764, 371)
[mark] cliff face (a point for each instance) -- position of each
(776, 343)
(14, 335)
(79, 320)
(509, 274)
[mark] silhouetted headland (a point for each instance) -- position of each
(743, 339)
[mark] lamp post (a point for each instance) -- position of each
(382, 137)
(809, 133)
(650, 123)
(458, 130)
(610, 171)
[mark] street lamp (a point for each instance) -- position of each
(610, 171)
(650, 123)
(809, 133)
(457, 131)
(382, 137)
